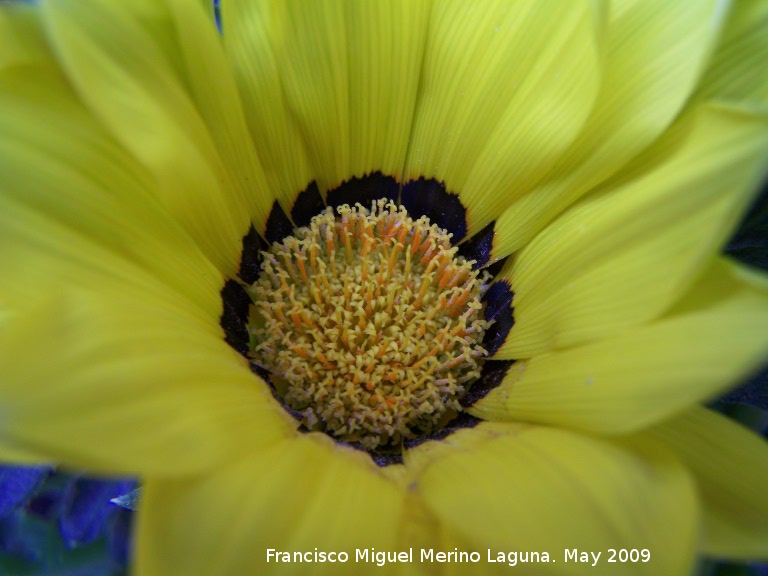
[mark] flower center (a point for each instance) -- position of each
(369, 323)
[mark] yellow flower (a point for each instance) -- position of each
(607, 148)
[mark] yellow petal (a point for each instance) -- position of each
(209, 9)
(350, 73)
(10, 451)
(505, 89)
(14, 453)
(301, 496)
(275, 134)
(737, 69)
(730, 465)
(21, 37)
(214, 91)
(526, 488)
(40, 252)
(117, 376)
(643, 375)
(620, 257)
(62, 166)
(654, 54)
(130, 83)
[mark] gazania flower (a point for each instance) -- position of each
(292, 389)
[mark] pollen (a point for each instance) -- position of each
(369, 323)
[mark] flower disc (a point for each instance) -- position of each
(369, 323)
